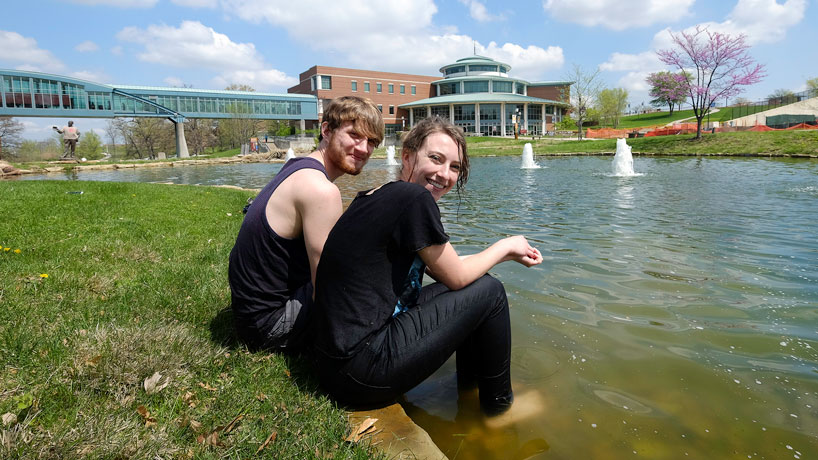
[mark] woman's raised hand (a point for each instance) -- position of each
(520, 251)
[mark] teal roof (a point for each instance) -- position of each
(551, 83)
(475, 60)
(480, 98)
(479, 77)
(222, 92)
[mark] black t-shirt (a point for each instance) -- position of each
(366, 260)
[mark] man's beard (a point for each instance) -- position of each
(338, 158)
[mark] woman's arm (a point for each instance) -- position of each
(446, 266)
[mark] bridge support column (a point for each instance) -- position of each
(181, 144)
(302, 124)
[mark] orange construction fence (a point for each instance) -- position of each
(681, 128)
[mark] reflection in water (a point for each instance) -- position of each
(674, 315)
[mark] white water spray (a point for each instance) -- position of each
(390, 156)
(528, 158)
(290, 154)
(623, 160)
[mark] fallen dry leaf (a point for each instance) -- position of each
(270, 439)
(358, 432)
(211, 439)
(189, 398)
(207, 387)
(146, 416)
(261, 397)
(195, 426)
(9, 419)
(152, 385)
(93, 361)
(233, 423)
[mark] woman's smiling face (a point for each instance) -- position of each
(435, 166)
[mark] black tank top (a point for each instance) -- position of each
(265, 269)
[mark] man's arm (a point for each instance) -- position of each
(319, 204)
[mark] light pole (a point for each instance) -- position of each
(516, 120)
(402, 123)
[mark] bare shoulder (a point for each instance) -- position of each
(313, 185)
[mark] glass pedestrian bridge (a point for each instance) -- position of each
(35, 94)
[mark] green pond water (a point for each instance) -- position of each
(675, 314)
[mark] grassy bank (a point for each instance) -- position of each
(115, 333)
(774, 143)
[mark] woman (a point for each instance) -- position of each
(378, 333)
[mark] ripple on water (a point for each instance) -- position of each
(533, 365)
(623, 402)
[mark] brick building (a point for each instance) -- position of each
(386, 89)
(475, 93)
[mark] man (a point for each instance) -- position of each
(273, 263)
(70, 136)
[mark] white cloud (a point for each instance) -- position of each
(174, 81)
(322, 22)
(116, 50)
(197, 3)
(23, 53)
(191, 45)
(86, 46)
(96, 77)
(479, 13)
(195, 46)
(763, 21)
(620, 62)
(119, 3)
(258, 79)
(617, 14)
(412, 43)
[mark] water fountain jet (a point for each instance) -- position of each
(390, 156)
(528, 158)
(290, 154)
(623, 160)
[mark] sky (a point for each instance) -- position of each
(266, 44)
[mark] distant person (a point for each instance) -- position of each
(378, 331)
(70, 137)
(273, 263)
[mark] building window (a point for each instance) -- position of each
(449, 88)
(326, 82)
(441, 111)
(312, 83)
(457, 69)
(379, 87)
(391, 88)
(366, 86)
(419, 113)
(482, 68)
(502, 86)
(503, 69)
(414, 90)
(403, 89)
(380, 108)
(520, 88)
(391, 110)
(354, 85)
(480, 86)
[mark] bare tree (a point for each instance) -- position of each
(10, 130)
(200, 135)
(584, 92)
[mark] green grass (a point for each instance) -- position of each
(137, 284)
(775, 143)
(652, 119)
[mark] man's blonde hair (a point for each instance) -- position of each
(366, 119)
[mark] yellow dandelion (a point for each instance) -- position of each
(16, 251)
(7, 249)
(43, 275)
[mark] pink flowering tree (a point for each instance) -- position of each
(667, 88)
(716, 65)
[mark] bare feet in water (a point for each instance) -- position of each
(525, 406)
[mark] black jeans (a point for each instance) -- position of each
(473, 321)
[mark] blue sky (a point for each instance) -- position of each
(266, 43)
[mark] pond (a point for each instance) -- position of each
(675, 314)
